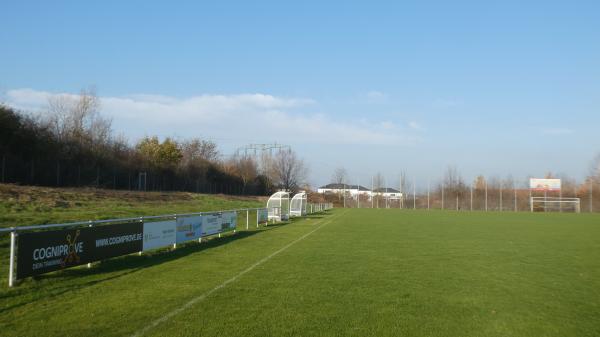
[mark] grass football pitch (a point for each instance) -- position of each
(367, 272)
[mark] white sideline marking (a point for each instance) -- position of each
(222, 285)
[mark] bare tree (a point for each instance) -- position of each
(289, 171)
(340, 175)
(245, 167)
(77, 118)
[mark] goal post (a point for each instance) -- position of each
(555, 204)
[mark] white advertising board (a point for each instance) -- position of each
(538, 184)
(189, 228)
(228, 221)
(263, 215)
(215, 223)
(158, 234)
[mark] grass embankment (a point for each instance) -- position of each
(20, 205)
(26, 205)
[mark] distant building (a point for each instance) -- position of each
(352, 190)
(388, 193)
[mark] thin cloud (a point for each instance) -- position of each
(243, 116)
(556, 131)
(414, 125)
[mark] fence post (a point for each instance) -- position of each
(257, 218)
(471, 197)
(11, 264)
(486, 208)
(89, 265)
(247, 218)
(175, 243)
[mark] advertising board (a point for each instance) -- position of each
(159, 234)
(189, 228)
(46, 251)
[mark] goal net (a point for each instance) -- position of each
(553, 204)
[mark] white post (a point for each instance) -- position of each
(471, 197)
(247, 218)
(344, 195)
(531, 203)
(500, 196)
(442, 195)
(560, 203)
(372, 187)
(89, 265)
(457, 201)
(11, 264)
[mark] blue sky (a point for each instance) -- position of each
(495, 88)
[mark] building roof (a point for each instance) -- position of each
(344, 186)
(386, 190)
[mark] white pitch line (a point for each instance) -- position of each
(222, 285)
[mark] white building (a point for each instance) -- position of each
(388, 193)
(351, 190)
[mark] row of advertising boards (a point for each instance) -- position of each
(47, 251)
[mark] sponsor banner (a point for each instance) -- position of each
(159, 234)
(215, 223)
(43, 252)
(537, 184)
(228, 221)
(211, 224)
(189, 228)
(263, 215)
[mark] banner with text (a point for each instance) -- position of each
(159, 234)
(189, 228)
(43, 252)
(215, 223)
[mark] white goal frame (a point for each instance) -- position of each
(556, 202)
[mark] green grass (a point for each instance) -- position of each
(362, 273)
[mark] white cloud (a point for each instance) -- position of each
(376, 95)
(244, 117)
(414, 125)
(556, 131)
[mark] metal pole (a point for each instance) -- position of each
(247, 218)
(344, 195)
(89, 265)
(442, 196)
(500, 197)
(486, 208)
(257, 216)
(11, 264)
(471, 197)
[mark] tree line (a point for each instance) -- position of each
(71, 144)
